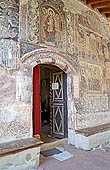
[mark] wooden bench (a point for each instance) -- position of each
(20, 154)
(93, 130)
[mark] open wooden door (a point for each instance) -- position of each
(36, 101)
(59, 104)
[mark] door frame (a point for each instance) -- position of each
(36, 102)
(37, 110)
(65, 105)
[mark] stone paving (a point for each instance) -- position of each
(105, 147)
(96, 159)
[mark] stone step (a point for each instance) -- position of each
(57, 143)
(91, 141)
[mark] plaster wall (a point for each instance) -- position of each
(79, 45)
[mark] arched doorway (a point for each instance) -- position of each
(50, 116)
(66, 64)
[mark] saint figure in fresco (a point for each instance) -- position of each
(49, 27)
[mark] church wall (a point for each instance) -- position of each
(87, 43)
(15, 122)
(79, 33)
(93, 52)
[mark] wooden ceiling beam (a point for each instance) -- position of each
(104, 10)
(107, 15)
(90, 2)
(101, 5)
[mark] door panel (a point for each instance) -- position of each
(58, 119)
(58, 106)
(58, 93)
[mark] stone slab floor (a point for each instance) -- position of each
(97, 159)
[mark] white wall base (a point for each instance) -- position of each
(87, 143)
(24, 160)
(71, 137)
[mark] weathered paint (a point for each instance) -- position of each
(78, 42)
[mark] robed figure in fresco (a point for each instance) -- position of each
(50, 25)
(53, 27)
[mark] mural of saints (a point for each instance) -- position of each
(50, 25)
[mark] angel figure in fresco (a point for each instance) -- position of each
(49, 26)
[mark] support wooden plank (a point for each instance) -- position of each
(105, 10)
(108, 15)
(90, 2)
(101, 5)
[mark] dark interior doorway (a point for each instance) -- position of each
(45, 103)
(53, 102)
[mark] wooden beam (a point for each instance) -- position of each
(104, 10)
(107, 15)
(90, 2)
(101, 5)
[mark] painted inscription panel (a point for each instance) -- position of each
(91, 78)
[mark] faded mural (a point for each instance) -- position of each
(70, 32)
(93, 51)
(33, 21)
(15, 95)
(85, 45)
(81, 38)
(14, 122)
(9, 27)
(53, 26)
(91, 78)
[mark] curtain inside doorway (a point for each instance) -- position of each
(36, 101)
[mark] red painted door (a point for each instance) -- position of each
(36, 101)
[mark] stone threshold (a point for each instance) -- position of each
(54, 144)
(14, 147)
(93, 130)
